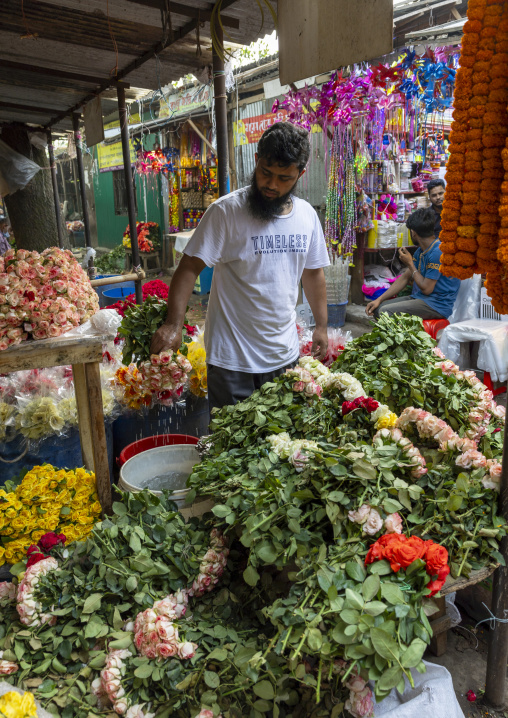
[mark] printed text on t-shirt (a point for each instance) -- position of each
(278, 244)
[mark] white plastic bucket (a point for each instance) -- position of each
(139, 472)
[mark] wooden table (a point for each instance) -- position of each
(440, 622)
(85, 356)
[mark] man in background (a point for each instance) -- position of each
(433, 294)
(436, 190)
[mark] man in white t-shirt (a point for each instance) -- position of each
(261, 240)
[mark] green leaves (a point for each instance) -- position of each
(413, 654)
(385, 645)
(251, 576)
(264, 689)
(92, 603)
(370, 587)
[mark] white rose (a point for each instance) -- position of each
(374, 523)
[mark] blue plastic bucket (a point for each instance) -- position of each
(103, 287)
(63, 452)
(205, 281)
(192, 418)
(337, 314)
(119, 292)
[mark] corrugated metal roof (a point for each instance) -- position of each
(118, 39)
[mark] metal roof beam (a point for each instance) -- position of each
(202, 13)
(28, 108)
(63, 74)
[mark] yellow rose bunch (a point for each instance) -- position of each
(47, 499)
(17, 705)
(196, 354)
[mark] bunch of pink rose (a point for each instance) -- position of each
(164, 375)
(360, 702)
(108, 688)
(206, 713)
(412, 452)
(485, 407)
(212, 566)
(42, 295)
(430, 427)
(8, 591)
(156, 633)
(372, 523)
(30, 610)
(304, 382)
(7, 667)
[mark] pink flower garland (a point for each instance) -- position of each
(155, 632)
(412, 452)
(212, 566)
(30, 610)
(485, 407)
(430, 427)
(108, 688)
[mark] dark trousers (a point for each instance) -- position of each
(229, 387)
(408, 305)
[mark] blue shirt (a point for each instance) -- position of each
(443, 297)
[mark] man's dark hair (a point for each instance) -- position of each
(435, 183)
(422, 222)
(285, 144)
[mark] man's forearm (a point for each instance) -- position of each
(314, 286)
(396, 287)
(180, 289)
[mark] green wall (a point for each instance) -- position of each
(111, 226)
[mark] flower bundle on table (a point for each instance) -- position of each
(401, 551)
(42, 295)
(18, 705)
(47, 499)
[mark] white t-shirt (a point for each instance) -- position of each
(251, 319)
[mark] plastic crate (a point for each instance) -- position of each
(487, 311)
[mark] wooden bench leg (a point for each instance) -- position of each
(85, 427)
(440, 624)
(100, 448)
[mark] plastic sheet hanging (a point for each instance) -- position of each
(467, 303)
(16, 170)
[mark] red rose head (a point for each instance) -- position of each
(30, 296)
(34, 555)
(471, 696)
(50, 540)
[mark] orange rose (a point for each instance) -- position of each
(403, 554)
(438, 584)
(436, 558)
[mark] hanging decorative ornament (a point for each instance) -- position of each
(340, 224)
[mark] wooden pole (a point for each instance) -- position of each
(129, 185)
(497, 655)
(55, 190)
(221, 114)
(81, 174)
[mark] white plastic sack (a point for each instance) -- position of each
(432, 697)
(493, 338)
(104, 323)
(467, 303)
(16, 170)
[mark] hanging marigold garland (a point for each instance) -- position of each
(473, 224)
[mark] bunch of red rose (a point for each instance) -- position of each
(362, 402)
(400, 552)
(44, 546)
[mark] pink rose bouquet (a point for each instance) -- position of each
(212, 566)
(30, 610)
(156, 633)
(42, 295)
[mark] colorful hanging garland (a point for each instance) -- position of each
(471, 238)
(340, 224)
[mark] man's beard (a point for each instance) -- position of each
(262, 208)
